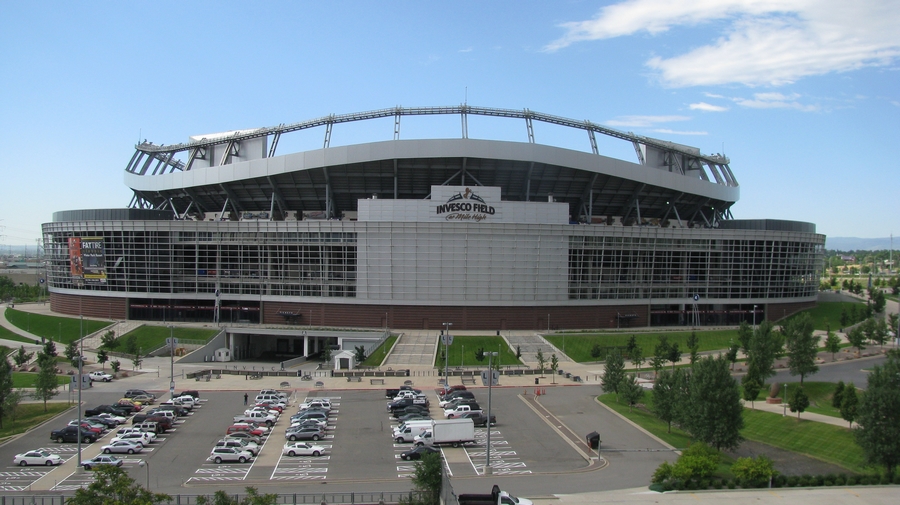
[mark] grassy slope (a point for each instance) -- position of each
(149, 338)
(60, 329)
(472, 344)
(578, 346)
(27, 379)
(826, 442)
(378, 355)
(29, 415)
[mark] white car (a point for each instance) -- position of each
(316, 404)
(100, 376)
(321, 423)
(151, 435)
(111, 417)
(178, 402)
(101, 460)
(138, 438)
(122, 446)
(222, 454)
(187, 400)
(38, 457)
(302, 449)
(264, 410)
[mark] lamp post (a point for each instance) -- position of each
(487, 459)
(80, 381)
(145, 463)
(754, 316)
(784, 401)
(447, 354)
(171, 361)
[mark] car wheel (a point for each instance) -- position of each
(404, 457)
(316, 453)
(106, 451)
(60, 440)
(130, 451)
(218, 460)
(24, 463)
(455, 444)
(242, 460)
(399, 440)
(87, 467)
(292, 438)
(291, 454)
(315, 437)
(48, 463)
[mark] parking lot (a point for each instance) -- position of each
(358, 445)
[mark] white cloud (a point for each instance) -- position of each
(774, 101)
(643, 121)
(763, 42)
(466, 50)
(677, 132)
(707, 107)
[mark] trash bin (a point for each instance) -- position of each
(560, 372)
(593, 440)
(537, 380)
(568, 375)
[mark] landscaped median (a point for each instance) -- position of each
(829, 443)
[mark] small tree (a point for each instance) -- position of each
(667, 391)
(878, 433)
(102, 358)
(596, 351)
(136, 360)
(72, 353)
(253, 498)
(799, 401)
(674, 354)
(554, 364)
(631, 391)
(693, 344)
(518, 352)
(849, 403)
(613, 372)
(21, 357)
(732, 354)
(479, 354)
(427, 478)
(45, 385)
(802, 346)
(893, 322)
(637, 357)
(115, 365)
(6, 387)
(838, 396)
(542, 361)
(712, 410)
(832, 344)
(631, 345)
(131, 344)
(326, 354)
(751, 388)
(857, 339)
(360, 352)
(880, 334)
(112, 485)
(109, 341)
(12, 401)
(50, 348)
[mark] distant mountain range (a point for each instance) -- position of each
(860, 244)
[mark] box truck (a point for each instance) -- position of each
(408, 431)
(453, 432)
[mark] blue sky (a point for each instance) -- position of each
(802, 95)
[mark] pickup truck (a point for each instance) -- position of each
(100, 376)
(497, 497)
(70, 434)
(479, 418)
(406, 402)
(256, 417)
(461, 409)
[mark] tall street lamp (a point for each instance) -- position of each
(754, 316)
(171, 361)
(145, 463)
(490, 376)
(447, 339)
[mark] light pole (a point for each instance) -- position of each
(784, 401)
(447, 354)
(754, 316)
(171, 361)
(487, 459)
(80, 380)
(146, 464)
(462, 357)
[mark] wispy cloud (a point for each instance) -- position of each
(707, 107)
(678, 132)
(466, 50)
(775, 101)
(643, 121)
(763, 42)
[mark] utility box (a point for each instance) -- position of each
(593, 440)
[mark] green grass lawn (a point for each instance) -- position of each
(11, 335)
(29, 415)
(833, 444)
(27, 379)
(578, 346)
(149, 338)
(829, 313)
(819, 394)
(378, 355)
(457, 357)
(60, 329)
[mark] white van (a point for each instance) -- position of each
(408, 431)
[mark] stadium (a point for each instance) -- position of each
(486, 233)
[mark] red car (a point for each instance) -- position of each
(270, 406)
(245, 428)
(87, 426)
(446, 391)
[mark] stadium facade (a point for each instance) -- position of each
(413, 233)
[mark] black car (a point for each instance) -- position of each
(412, 409)
(107, 409)
(134, 392)
(189, 392)
(413, 416)
(70, 434)
(417, 453)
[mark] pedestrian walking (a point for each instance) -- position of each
(245, 398)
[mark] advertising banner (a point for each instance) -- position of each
(87, 259)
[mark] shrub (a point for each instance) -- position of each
(793, 481)
(717, 484)
(755, 472)
(703, 484)
(885, 480)
(698, 461)
(803, 481)
(730, 484)
(662, 473)
(817, 480)
(839, 480)
(852, 480)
